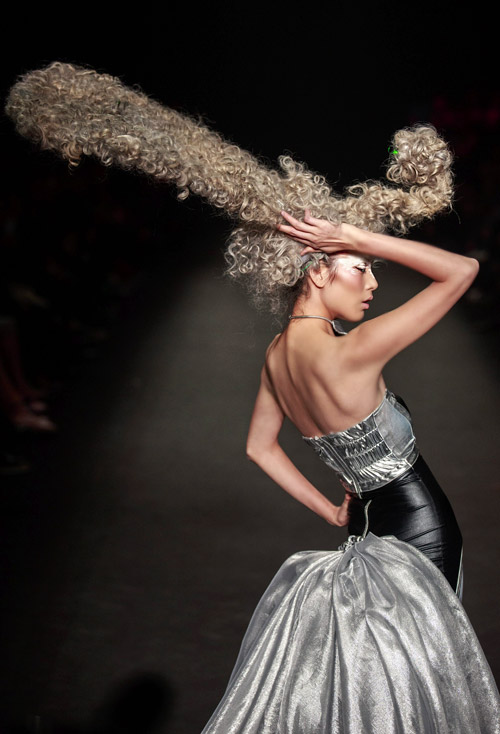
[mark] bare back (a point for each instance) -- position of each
(314, 383)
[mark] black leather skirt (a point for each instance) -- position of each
(414, 509)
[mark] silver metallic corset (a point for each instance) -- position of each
(374, 451)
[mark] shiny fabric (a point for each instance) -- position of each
(368, 641)
(415, 509)
(371, 638)
(374, 451)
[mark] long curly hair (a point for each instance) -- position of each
(76, 111)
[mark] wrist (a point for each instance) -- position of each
(350, 234)
(333, 515)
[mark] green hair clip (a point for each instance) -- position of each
(306, 265)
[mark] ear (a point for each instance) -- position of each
(320, 276)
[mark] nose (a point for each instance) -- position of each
(373, 282)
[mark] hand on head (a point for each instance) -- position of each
(316, 234)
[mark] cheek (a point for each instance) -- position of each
(350, 278)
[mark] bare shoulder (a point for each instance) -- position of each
(273, 344)
(328, 350)
(363, 348)
(270, 351)
(305, 352)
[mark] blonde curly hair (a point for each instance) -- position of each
(76, 111)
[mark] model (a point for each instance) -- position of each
(371, 637)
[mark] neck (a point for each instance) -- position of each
(312, 307)
(336, 326)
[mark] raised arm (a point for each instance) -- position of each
(263, 448)
(380, 339)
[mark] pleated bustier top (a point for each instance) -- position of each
(374, 451)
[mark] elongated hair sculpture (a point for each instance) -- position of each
(75, 111)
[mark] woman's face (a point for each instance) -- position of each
(350, 289)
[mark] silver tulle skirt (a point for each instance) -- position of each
(368, 639)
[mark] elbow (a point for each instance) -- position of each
(257, 453)
(473, 266)
(250, 455)
(253, 453)
(467, 272)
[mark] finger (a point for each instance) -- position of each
(302, 242)
(311, 247)
(308, 217)
(297, 223)
(297, 234)
(289, 218)
(300, 239)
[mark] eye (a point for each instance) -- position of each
(361, 268)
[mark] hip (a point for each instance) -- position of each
(414, 509)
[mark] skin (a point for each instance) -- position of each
(325, 384)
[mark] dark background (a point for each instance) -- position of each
(116, 607)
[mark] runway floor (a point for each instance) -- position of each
(135, 551)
